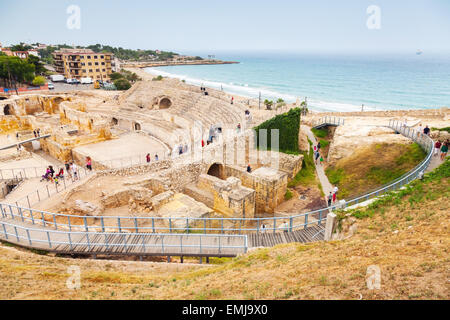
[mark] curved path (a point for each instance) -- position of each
(326, 185)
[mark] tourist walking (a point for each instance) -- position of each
(444, 150)
(437, 147)
(263, 228)
(284, 227)
(89, 163)
(321, 160)
(419, 130)
(156, 157)
(147, 157)
(316, 156)
(35, 133)
(335, 192)
(232, 100)
(330, 199)
(74, 168)
(426, 131)
(67, 165)
(249, 169)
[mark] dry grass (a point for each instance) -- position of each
(408, 240)
(372, 166)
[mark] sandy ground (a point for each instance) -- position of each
(129, 145)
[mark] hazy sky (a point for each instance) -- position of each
(324, 26)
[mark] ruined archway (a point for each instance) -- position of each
(137, 127)
(217, 170)
(8, 110)
(165, 103)
(114, 121)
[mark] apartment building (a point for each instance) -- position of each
(82, 63)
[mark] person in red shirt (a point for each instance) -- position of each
(203, 143)
(437, 147)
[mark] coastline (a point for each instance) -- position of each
(175, 63)
(262, 114)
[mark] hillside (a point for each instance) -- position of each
(405, 234)
(371, 167)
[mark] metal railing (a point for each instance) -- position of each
(334, 121)
(161, 224)
(124, 243)
(213, 225)
(49, 189)
(22, 173)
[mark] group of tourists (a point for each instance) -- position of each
(203, 90)
(50, 175)
(317, 156)
(72, 169)
(37, 133)
(149, 159)
(442, 148)
(332, 197)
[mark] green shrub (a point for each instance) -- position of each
(306, 176)
(122, 84)
(158, 78)
(320, 133)
(38, 81)
(288, 125)
(288, 195)
(116, 76)
(447, 129)
(324, 143)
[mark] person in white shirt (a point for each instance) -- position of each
(263, 228)
(74, 171)
(419, 130)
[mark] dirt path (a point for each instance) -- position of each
(326, 185)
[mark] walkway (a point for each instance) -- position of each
(310, 234)
(141, 244)
(326, 185)
(434, 163)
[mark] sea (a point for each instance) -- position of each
(328, 82)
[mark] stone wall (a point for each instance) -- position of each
(270, 189)
(230, 197)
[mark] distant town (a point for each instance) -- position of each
(25, 67)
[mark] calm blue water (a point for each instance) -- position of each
(332, 83)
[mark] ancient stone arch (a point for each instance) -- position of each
(114, 121)
(165, 103)
(217, 170)
(8, 110)
(137, 126)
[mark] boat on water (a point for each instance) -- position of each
(419, 52)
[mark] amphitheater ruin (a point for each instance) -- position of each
(165, 151)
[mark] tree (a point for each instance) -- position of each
(14, 69)
(21, 47)
(122, 84)
(39, 81)
(268, 104)
(116, 76)
(38, 66)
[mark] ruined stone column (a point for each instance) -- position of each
(329, 227)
